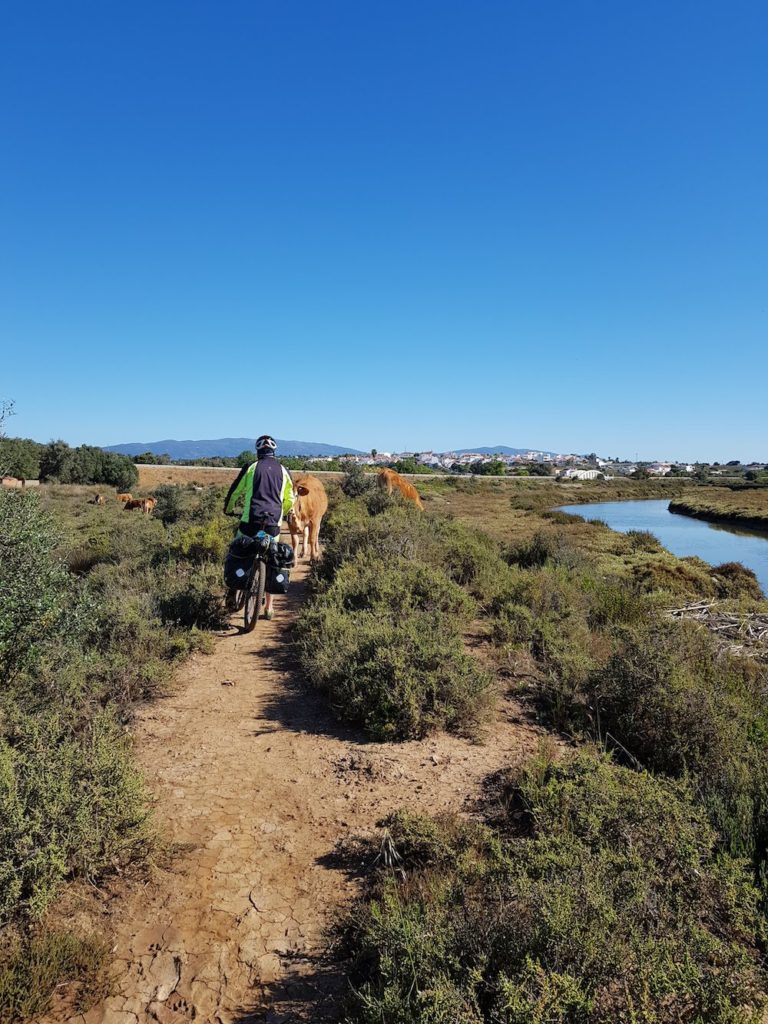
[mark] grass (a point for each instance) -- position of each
(32, 967)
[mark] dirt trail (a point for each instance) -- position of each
(258, 784)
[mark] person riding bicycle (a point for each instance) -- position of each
(266, 491)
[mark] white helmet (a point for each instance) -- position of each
(265, 443)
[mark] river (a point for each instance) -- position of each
(683, 535)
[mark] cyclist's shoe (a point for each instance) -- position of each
(269, 614)
(230, 601)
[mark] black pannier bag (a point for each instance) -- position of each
(278, 568)
(281, 556)
(278, 579)
(237, 569)
(239, 561)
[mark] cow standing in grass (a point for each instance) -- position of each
(392, 481)
(311, 504)
(145, 505)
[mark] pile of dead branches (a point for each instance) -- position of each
(744, 633)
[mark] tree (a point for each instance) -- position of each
(245, 458)
(374, 453)
(20, 457)
(6, 410)
(493, 468)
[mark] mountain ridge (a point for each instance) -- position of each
(226, 447)
(500, 449)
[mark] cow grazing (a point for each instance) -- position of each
(392, 481)
(308, 511)
(125, 497)
(145, 505)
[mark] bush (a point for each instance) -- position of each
(71, 802)
(205, 542)
(734, 580)
(600, 898)
(384, 641)
(173, 503)
(38, 603)
(383, 633)
(685, 709)
(643, 540)
(357, 482)
(191, 599)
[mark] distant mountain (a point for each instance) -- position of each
(500, 449)
(227, 447)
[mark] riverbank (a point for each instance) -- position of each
(735, 508)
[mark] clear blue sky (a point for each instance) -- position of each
(404, 225)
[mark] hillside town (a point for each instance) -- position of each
(518, 462)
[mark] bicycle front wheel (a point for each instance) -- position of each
(254, 596)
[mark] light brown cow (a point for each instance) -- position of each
(125, 497)
(308, 511)
(145, 505)
(392, 481)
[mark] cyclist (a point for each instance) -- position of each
(266, 491)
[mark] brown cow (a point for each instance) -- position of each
(125, 497)
(308, 511)
(145, 505)
(394, 482)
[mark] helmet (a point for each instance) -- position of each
(265, 444)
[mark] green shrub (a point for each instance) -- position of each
(190, 599)
(173, 503)
(357, 482)
(71, 805)
(38, 603)
(613, 601)
(205, 542)
(383, 633)
(682, 707)
(600, 898)
(399, 674)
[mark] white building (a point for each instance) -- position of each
(580, 474)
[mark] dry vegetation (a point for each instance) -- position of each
(718, 505)
(200, 476)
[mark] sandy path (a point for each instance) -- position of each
(258, 783)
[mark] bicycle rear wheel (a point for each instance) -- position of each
(254, 595)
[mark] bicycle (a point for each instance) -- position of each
(250, 598)
(253, 595)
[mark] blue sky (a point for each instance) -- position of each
(403, 225)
